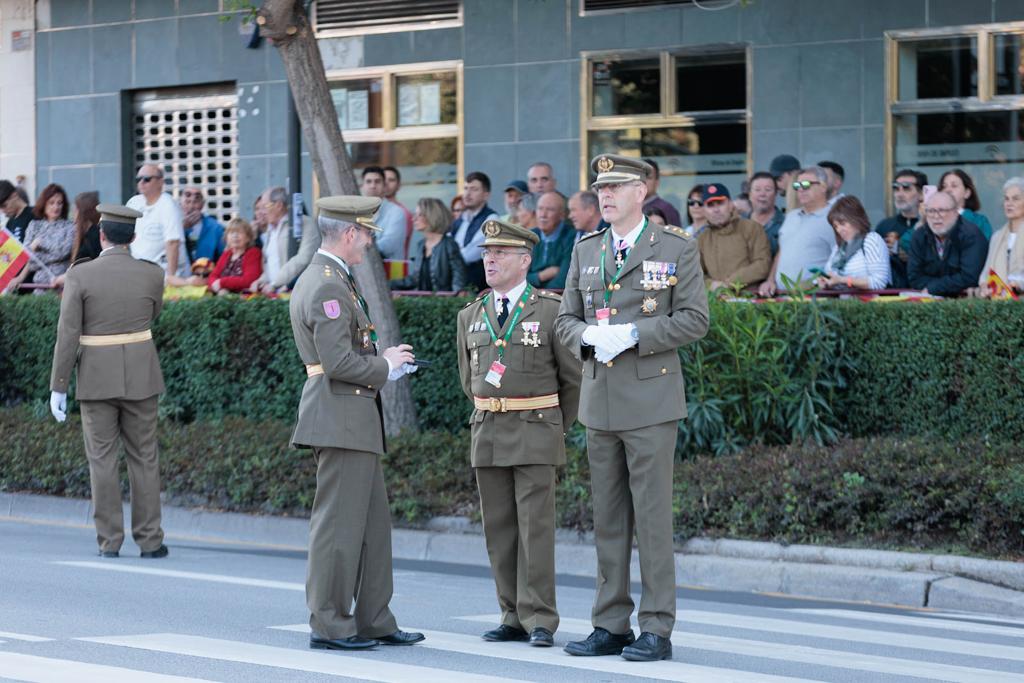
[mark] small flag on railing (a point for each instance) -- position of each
(13, 257)
(997, 288)
(396, 269)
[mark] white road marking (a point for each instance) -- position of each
(21, 667)
(936, 622)
(193, 576)
(23, 636)
(370, 666)
(522, 652)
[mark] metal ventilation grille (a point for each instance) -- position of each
(610, 5)
(345, 14)
(192, 134)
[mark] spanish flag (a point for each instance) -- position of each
(997, 289)
(13, 257)
(396, 269)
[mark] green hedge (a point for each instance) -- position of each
(768, 374)
(916, 494)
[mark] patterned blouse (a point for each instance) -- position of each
(54, 249)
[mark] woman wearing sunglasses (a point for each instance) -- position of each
(695, 210)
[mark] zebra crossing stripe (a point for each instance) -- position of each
(923, 621)
(19, 667)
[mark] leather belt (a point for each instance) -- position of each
(115, 339)
(504, 405)
(314, 370)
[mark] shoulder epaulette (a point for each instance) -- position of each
(593, 234)
(545, 294)
(678, 232)
(476, 300)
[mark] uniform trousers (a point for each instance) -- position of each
(631, 480)
(518, 509)
(105, 425)
(348, 579)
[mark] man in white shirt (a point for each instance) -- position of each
(285, 256)
(466, 229)
(159, 235)
(390, 217)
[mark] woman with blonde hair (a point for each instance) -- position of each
(1006, 250)
(438, 265)
(240, 264)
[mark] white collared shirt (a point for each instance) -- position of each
(631, 237)
(344, 266)
(272, 251)
(512, 295)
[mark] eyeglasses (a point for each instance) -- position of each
(805, 184)
(935, 213)
(501, 253)
(146, 178)
(694, 202)
(904, 186)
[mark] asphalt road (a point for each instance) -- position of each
(221, 612)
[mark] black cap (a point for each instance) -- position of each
(834, 167)
(784, 163)
(715, 191)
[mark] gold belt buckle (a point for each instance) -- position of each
(498, 405)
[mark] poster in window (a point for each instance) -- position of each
(359, 109)
(430, 103)
(340, 98)
(419, 104)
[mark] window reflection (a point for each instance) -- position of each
(626, 87)
(938, 68)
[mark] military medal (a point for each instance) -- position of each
(530, 333)
(649, 305)
(494, 374)
(672, 279)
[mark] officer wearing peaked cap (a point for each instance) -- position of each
(524, 386)
(633, 296)
(348, 579)
(106, 315)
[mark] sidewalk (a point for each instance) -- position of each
(884, 577)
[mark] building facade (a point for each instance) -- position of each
(712, 89)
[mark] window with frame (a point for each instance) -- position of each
(687, 110)
(406, 117)
(956, 100)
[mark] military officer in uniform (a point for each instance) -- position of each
(106, 316)
(525, 390)
(634, 295)
(348, 580)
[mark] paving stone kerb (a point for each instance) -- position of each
(914, 579)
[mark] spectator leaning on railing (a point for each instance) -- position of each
(1006, 250)
(437, 264)
(805, 239)
(762, 201)
(860, 260)
(240, 264)
(50, 236)
(732, 249)
(946, 258)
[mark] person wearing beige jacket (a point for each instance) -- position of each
(732, 249)
(1006, 249)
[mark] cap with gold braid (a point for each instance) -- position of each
(501, 234)
(351, 209)
(115, 213)
(613, 168)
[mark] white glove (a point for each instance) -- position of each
(613, 340)
(409, 368)
(592, 334)
(59, 405)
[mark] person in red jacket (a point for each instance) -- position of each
(240, 264)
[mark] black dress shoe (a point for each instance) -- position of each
(318, 642)
(401, 638)
(648, 648)
(506, 633)
(162, 551)
(599, 643)
(541, 637)
(108, 553)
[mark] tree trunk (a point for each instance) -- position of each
(286, 25)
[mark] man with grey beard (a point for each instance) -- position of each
(946, 258)
(907, 194)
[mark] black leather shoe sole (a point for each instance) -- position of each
(162, 551)
(541, 637)
(645, 655)
(109, 553)
(353, 643)
(401, 638)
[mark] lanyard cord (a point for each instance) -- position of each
(502, 343)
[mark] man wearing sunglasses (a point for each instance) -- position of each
(907, 195)
(806, 238)
(159, 235)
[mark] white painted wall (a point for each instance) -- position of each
(17, 95)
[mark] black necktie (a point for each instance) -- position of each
(503, 316)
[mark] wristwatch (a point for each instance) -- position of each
(634, 333)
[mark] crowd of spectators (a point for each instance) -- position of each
(790, 225)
